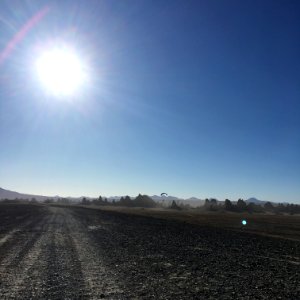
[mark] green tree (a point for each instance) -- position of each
(85, 201)
(174, 205)
(268, 206)
(241, 205)
(228, 205)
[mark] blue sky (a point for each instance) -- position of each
(192, 98)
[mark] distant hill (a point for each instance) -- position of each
(255, 201)
(10, 195)
(161, 198)
(167, 200)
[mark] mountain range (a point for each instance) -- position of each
(165, 199)
(6, 194)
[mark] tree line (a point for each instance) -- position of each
(139, 201)
(243, 206)
(148, 202)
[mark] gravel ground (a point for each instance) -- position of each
(77, 253)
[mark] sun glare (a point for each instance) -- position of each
(61, 72)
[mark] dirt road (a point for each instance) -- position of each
(76, 253)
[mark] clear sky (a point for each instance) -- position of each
(192, 98)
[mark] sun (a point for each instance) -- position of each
(61, 71)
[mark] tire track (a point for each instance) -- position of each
(100, 281)
(59, 261)
(51, 269)
(63, 275)
(18, 257)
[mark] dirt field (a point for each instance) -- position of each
(282, 226)
(81, 253)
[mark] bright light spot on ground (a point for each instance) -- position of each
(60, 71)
(244, 222)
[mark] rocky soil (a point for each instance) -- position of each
(51, 252)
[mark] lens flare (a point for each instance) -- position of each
(20, 35)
